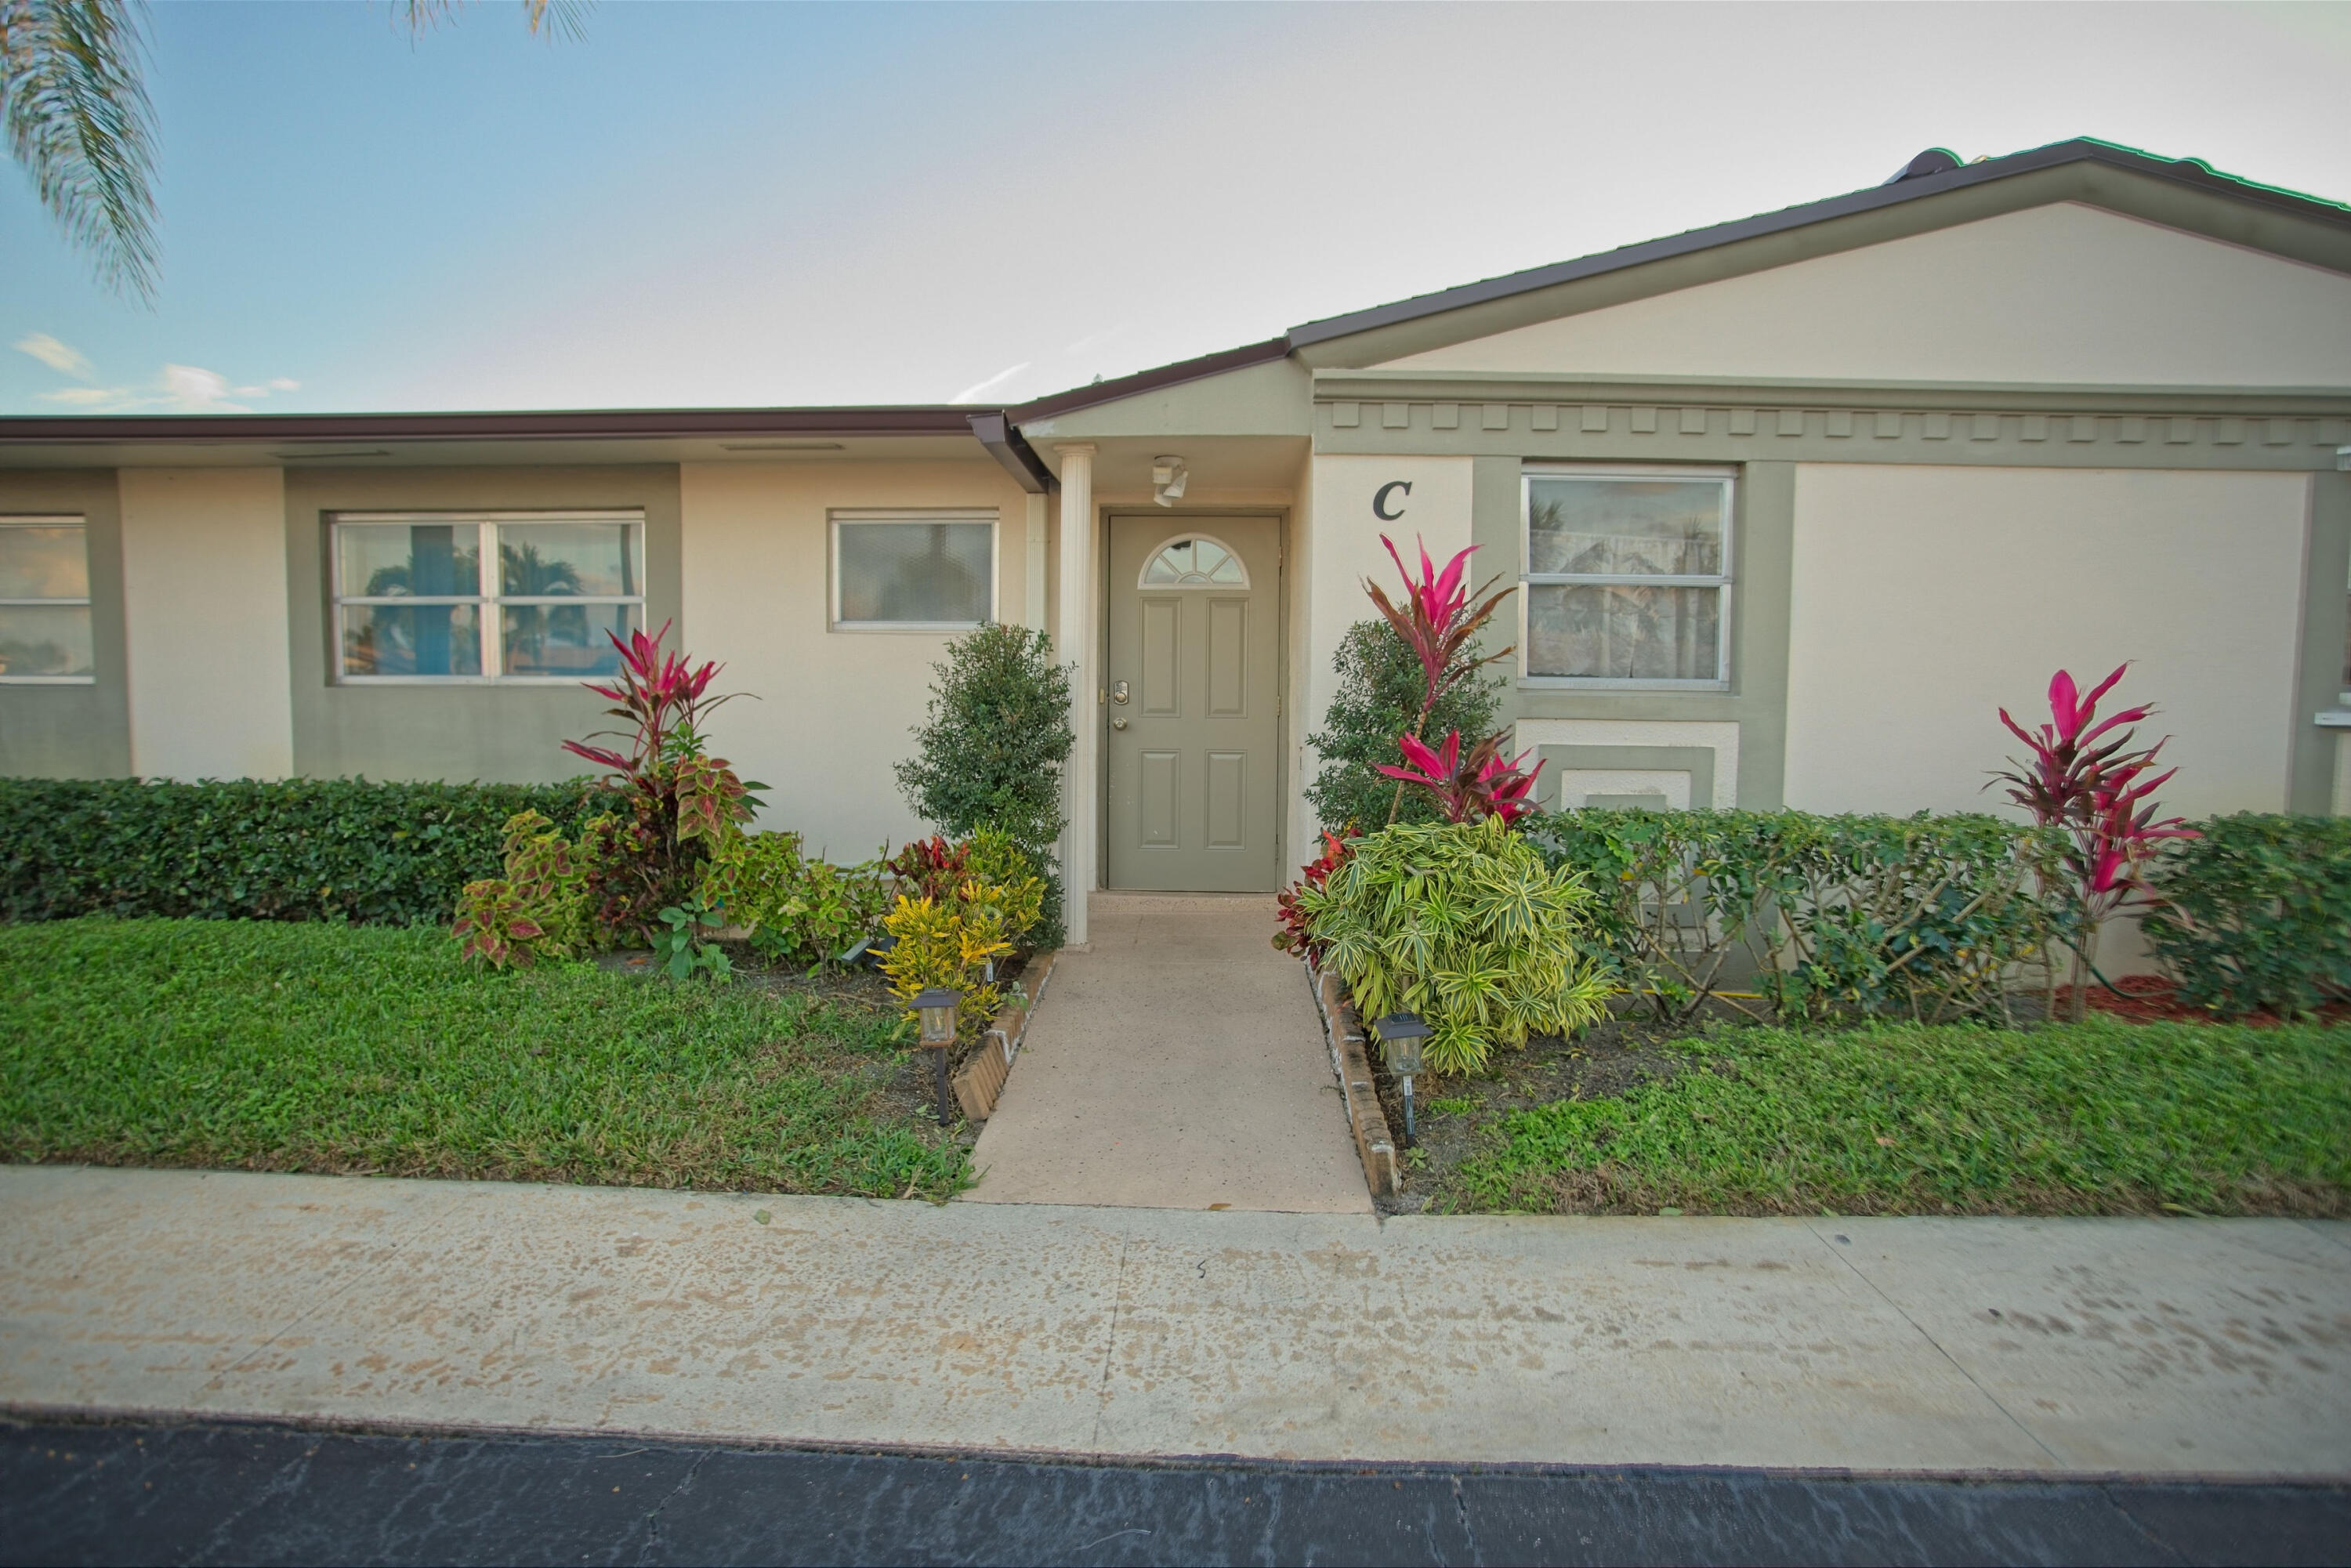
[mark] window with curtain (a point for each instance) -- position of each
(44, 632)
(507, 596)
(1627, 576)
(913, 571)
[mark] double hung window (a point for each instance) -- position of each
(44, 637)
(913, 571)
(507, 596)
(1627, 577)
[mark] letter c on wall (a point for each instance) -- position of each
(1380, 499)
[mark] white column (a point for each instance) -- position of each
(1074, 643)
(1033, 579)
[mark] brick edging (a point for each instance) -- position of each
(981, 1078)
(1353, 1067)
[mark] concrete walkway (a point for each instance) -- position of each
(2213, 1347)
(1177, 1064)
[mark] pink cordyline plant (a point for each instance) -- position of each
(1438, 620)
(2097, 792)
(681, 802)
(1482, 784)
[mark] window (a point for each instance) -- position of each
(45, 602)
(415, 600)
(1197, 562)
(913, 571)
(1627, 577)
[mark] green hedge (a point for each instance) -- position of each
(1922, 917)
(2260, 914)
(325, 849)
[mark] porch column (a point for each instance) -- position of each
(1074, 643)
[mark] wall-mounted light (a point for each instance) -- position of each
(1168, 475)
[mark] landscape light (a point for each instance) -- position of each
(937, 1008)
(1400, 1035)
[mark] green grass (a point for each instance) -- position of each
(309, 1046)
(2101, 1117)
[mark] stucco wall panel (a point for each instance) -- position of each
(2064, 294)
(834, 709)
(203, 579)
(1925, 599)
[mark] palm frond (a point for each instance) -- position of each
(79, 124)
(565, 19)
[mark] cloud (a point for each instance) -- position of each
(177, 389)
(60, 357)
(978, 389)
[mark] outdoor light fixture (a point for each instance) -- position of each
(937, 1008)
(1401, 1034)
(1167, 478)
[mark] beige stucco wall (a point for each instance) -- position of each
(833, 708)
(203, 585)
(1925, 599)
(2065, 293)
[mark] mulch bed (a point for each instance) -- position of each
(2152, 998)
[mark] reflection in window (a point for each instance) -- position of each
(1626, 576)
(45, 632)
(1194, 564)
(914, 572)
(411, 602)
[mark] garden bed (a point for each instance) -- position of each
(2102, 1117)
(316, 1046)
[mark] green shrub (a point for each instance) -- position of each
(1921, 917)
(299, 849)
(803, 911)
(1381, 685)
(991, 749)
(1463, 923)
(2258, 914)
(539, 909)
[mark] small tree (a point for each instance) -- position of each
(990, 751)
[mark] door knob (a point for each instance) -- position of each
(1118, 724)
(1118, 691)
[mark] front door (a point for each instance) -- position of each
(1195, 687)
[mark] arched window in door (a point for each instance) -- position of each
(1195, 561)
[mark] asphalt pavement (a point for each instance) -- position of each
(75, 1493)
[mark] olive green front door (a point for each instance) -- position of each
(1194, 713)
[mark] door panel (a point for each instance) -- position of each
(1190, 755)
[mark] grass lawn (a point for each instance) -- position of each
(305, 1047)
(2101, 1117)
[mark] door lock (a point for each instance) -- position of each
(1118, 724)
(1118, 691)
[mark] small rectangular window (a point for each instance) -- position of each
(914, 571)
(510, 596)
(1627, 577)
(44, 636)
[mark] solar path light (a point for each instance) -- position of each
(937, 1008)
(1401, 1034)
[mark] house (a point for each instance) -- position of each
(1796, 504)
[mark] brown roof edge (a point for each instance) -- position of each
(1924, 176)
(573, 425)
(1151, 380)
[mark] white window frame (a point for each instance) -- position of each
(1152, 559)
(1726, 583)
(487, 601)
(837, 516)
(54, 520)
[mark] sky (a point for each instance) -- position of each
(751, 203)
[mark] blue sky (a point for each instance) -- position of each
(726, 203)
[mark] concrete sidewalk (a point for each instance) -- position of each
(1113, 1103)
(2208, 1347)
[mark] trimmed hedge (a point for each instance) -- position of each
(303, 849)
(2260, 914)
(1923, 917)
